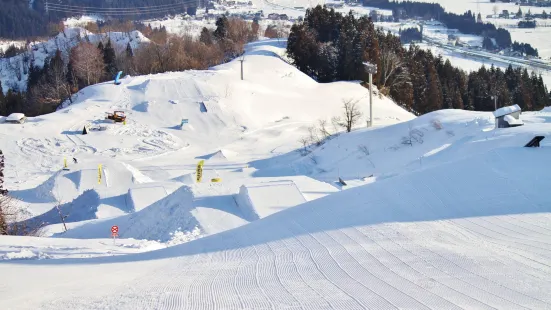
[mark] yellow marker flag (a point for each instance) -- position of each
(99, 174)
(200, 170)
(64, 162)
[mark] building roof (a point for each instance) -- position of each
(512, 121)
(507, 110)
(15, 117)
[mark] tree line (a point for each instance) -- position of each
(330, 46)
(87, 63)
(409, 35)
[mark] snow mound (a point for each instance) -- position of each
(142, 107)
(260, 200)
(220, 154)
(23, 255)
(189, 178)
(142, 197)
(158, 221)
(137, 176)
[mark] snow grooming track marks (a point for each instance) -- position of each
(484, 290)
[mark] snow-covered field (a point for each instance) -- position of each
(460, 219)
(463, 57)
(485, 7)
(535, 36)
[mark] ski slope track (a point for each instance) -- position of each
(441, 211)
(425, 246)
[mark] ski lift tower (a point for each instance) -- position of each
(371, 69)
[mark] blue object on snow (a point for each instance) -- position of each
(117, 81)
(184, 121)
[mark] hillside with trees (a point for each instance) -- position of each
(329, 46)
(64, 73)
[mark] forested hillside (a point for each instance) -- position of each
(331, 47)
(20, 20)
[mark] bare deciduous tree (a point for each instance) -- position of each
(351, 114)
(313, 136)
(88, 62)
(393, 71)
(335, 121)
(305, 144)
(322, 127)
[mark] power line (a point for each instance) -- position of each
(113, 8)
(116, 10)
(130, 12)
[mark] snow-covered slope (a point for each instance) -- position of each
(230, 122)
(366, 155)
(458, 218)
(468, 234)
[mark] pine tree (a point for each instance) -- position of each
(34, 75)
(110, 60)
(519, 13)
(14, 102)
(129, 52)
(71, 76)
(526, 90)
(206, 36)
(434, 90)
(222, 25)
(328, 59)
(101, 47)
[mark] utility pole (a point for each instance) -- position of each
(495, 102)
(370, 99)
(371, 69)
(242, 60)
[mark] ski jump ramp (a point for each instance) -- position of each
(260, 200)
(144, 196)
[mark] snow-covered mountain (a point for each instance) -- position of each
(441, 211)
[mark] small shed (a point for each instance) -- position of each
(16, 118)
(508, 117)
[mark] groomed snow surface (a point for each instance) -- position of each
(441, 211)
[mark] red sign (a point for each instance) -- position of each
(115, 229)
